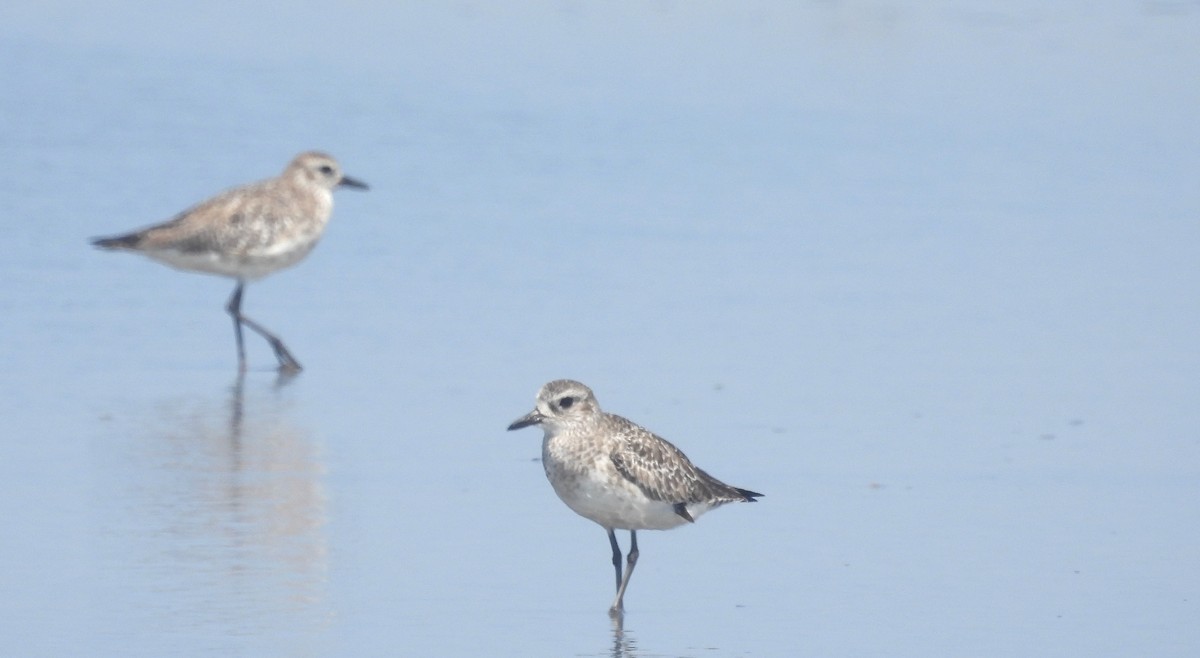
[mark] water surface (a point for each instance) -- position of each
(924, 275)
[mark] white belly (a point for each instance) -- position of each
(248, 267)
(601, 494)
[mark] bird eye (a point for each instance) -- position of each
(566, 402)
(326, 170)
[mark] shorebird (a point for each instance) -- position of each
(617, 473)
(247, 233)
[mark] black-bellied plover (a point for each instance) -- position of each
(247, 233)
(617, 473)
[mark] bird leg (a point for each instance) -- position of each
(287, 362)
(616, 552)
(234, 308)
(618, 606)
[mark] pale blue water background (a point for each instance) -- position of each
(925, 274)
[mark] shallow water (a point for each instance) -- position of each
(925, 276)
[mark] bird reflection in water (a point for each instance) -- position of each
(623, 644)
(237, 510)
(237, 405)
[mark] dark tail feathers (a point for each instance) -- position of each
(118, 242)
(748, 495)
